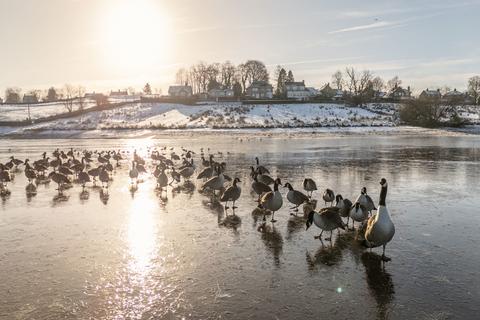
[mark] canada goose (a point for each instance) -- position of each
(215, 183)
(83, 178)
(133, 173)
(344, 205)
(232, 193)
(65, 170)
(365, 200)
(206, 173)
(60, 179)
(327, 219)
(259, 187)
(272, 200)
(309, 206)
(260, 169)
(328, 196)
(104, 177)
(187, 171)
(175, 176)
(207, 163)
(266, 179)
(4, 178)
(16, 162)
(309, 185)
(162, 179)
(380, 228)
(29, 172)
(117, 157)
(295, 197)
(358, 213)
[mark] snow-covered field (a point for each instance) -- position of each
(20, 112)
(232, 115)
(167, 116)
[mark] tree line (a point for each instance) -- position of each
(204, 77)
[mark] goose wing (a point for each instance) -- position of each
(266, 197)
(332, 215)
(299, 196)
(260, 188)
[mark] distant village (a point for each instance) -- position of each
(250, 81)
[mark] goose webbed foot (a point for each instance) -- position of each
(328, 239)
(234, 207)
(385, 258)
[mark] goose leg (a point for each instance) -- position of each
(384, 257)
(233, 207)
(273, 217)
(329, 238)
(319, 236)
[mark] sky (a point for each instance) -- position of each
(115, 44)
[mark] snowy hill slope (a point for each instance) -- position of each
(231, 115)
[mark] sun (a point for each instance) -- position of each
(136, 34)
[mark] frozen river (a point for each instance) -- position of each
(142, 256)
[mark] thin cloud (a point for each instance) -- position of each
(292, 63)
(200, 29)
(375, 25)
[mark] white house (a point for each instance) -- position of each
(338, 94)
(431, 94)
(260, 90)
(398, 93)
(454, 94)
(220, 93)
(180, 91)
(30, 98)
(298, 91)
(119, 93)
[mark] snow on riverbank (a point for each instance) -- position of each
(231, 115)
(19, 112)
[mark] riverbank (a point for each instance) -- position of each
(161, 119)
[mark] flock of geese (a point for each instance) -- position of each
(167, 167)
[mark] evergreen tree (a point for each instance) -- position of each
(147, 89)
(282, 77)
(52, 94)
(290, 77)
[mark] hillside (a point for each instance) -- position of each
(227, 116)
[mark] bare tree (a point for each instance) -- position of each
(474, 89)
(13, 95)
(81, 97)
(213, 72)
(182, 76)
(352, 80)
(227, 74)
(378, 84)
(256, 71)
(337, 80)
(393, 83)
(68, 96)
(365, 79)
(242, 74)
